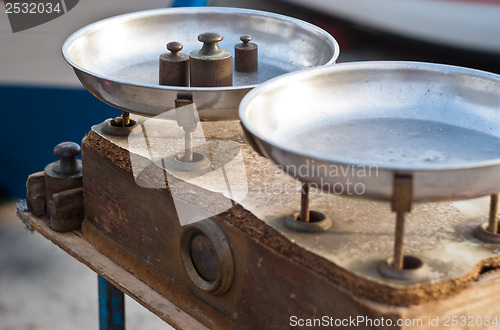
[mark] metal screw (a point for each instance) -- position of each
(68, 152)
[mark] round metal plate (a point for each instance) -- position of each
(117, 59)
(350, 128)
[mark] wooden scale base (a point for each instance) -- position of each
(258, 274)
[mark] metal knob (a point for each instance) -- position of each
(210, 43)
(174, 47)
(246, 39)
(68, 152)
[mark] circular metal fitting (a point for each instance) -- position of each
(207, 257)
(414, 269)
(485, 235)
(318, 222)
(177, 164)
(114, 127)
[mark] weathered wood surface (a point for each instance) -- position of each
(275, 278)
(441, 234)
(75, 244)
(479, 301)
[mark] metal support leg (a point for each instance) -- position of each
(398, 258)
(489, 232)
(401, 203)
(400, 266)
(111, 306)
(492, 220)
(304, 203)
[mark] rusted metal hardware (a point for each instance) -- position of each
(207, 257)
(401, 203)
(120, 126)
(398, 260)
(488, 232)
(306, 220)
(57, 191)
(174, 66)
(400, 266)
(125, 119)
(319, 222)
(65, 173)
(211, 66)
(246, 55)
(64, 201)
(415, 270)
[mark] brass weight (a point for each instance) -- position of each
(174, 66)
(245, 55)
(211, 66)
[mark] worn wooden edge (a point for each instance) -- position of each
(248, 223)
(75, 244)
(480, 299)
(166, 287)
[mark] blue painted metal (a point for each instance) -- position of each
(111, 306)
(34, 121)
(189, 3)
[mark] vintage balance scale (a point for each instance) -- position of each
(191, 208)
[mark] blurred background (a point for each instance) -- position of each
(43, 104)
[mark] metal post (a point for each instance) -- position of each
(125, 118)
(304, 203)
(111, 306)
(401, 203)
(492, 221)
(398, 259)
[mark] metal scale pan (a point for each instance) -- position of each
(116, 59)
(396, 131)
(437, 123)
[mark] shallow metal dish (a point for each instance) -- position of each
(438, 123)
(116, 59)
